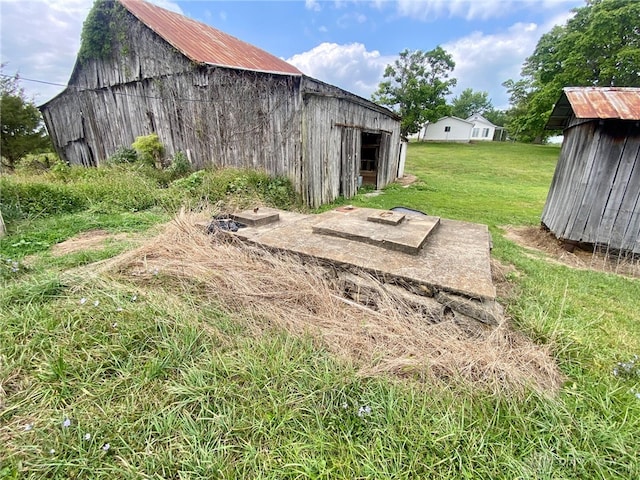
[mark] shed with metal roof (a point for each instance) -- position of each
(594, 196)
(219, 100)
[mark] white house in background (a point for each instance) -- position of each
(476, 128)
(483, 130)
(447, 129)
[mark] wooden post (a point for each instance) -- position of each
(3, 229)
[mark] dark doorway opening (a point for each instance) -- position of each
(369, 157)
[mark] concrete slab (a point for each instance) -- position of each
(387, 217)
(257, 217)
(407, 236)
(455, 258)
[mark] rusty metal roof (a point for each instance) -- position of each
(595, 103)
(204, 44)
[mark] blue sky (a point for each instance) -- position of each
(346, 43)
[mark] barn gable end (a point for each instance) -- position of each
(135, 53)
(594, 196)
(222, 102)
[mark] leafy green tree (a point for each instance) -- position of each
(415, 86)
(497, 117)
(599, 46)
(21, 128)
(469, 103)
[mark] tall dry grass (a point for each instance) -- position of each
(269, 290)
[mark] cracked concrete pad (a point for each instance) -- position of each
(455, 258)
(408, 234)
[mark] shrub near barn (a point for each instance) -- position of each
(20, 123)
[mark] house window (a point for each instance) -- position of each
(475, 132)
(485, 132)
(447, 129)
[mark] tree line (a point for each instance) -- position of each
(598, 46)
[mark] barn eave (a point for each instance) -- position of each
(246, 69)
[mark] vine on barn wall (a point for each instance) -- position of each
(103, 29)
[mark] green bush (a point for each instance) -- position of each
(120, 189)
(179, 166)
(150, 149)
(279, 192)
(123, 155)
(38, 163)
(191, 183)
(133, 187)
(275, 191)
(28, 199)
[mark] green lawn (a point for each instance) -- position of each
(157, 382)
(486, 183)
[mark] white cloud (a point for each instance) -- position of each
(167, 5)
(345, 21)
(483, 61)
(313, 5)
(474, 9)
(432, 9)
(41, 38)
(350, 67)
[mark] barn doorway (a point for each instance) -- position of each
(369, 158)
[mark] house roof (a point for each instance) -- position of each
(595, 103)
(452, 118)
(476, 117)
(204, 44)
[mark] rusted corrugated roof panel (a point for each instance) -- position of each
(595, 103)
(204, 44)
(607, 102)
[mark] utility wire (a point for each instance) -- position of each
(18, 77)
(122, 94)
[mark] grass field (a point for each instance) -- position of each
(103, 375)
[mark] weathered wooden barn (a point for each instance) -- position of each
(595, 193)
(219, 100)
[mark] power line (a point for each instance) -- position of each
(18, 77)
(110, 90)
(123, 94)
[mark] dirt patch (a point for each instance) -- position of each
(407, 179)
(542, 241)
(264, 290)
(91, 240)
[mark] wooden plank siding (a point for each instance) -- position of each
(595, 192)
(333, 120)
(216, 124)
(284, 124)
(349, 161)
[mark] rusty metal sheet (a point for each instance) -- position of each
(204, 44)
(595, 103)
(605, 102)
